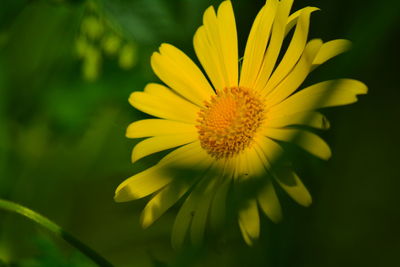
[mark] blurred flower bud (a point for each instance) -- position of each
(91, 63)
(81, 46)
(127, 56)
(111, 44)
(92, 27)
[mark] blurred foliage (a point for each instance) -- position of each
(63, 150)
(98, 37)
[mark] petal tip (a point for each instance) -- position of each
(130, 131)
(225, 4)
(121, 193)
(131, 98)
(118, 197)
(307, 201)
(134, 156)
(278, 218)
(325, 123)
(145, 222)
(364, 88)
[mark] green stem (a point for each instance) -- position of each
(57, 230)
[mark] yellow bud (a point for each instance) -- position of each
(127, 56)
(91, 64)
(92, 27)
(111, 43)
(81, 46)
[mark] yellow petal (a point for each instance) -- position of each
(187, 212)
(275, 43)
(257, 43)
(331, 49)
(179, 72)
(211, 28)
(308, 141)
(296, 77)
(142, 184)
(292, 20)
(158, 176)
(159, 143)
(271, 150)
(206, 193)
(218, 206)
(191, 154)
(294, 51)
(262, 156)
(215, 44)
(241, 166)
(292, 184)
(159, 101)
(183, 220)
(311, 119)
(208, 58)
(249, 221)
(269, 201)
(256, 163)
(155, 127)
(320, 95)
(163, 200)
(229, 42)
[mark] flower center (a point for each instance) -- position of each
(229, 121)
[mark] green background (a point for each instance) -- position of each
(63, 150)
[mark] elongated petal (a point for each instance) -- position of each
(159, 101)
(241, 168)
(218, 205)
(179, 72)
(211, 27)
(274, 46)
(271, 150)
(269, 202)
(257, 44)
(293, 18)
(229, 42)
(308, 141)
(142, 184)
(331, 49)
(208, 58)
(163, 200)
(296, 76)
(155, 127)
(159, 143)
(255, 163)
(183, 220)
(249, 221)
(215, 44)
(294, 51)
(292, 184)
(160, 175)
(321, 95)
(266, 197)
(183, 155)
(203, 208)
(311, 119)
(187, 212)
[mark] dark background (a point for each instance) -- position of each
(63, 115)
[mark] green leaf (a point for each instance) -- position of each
(55, 229)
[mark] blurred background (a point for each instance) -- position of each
(66, 71)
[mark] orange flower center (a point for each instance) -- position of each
(229, 121)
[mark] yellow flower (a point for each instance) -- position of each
(232, 127)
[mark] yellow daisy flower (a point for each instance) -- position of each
(232, 124)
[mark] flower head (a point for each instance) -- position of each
(232, 127)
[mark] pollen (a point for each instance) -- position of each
(228, 123)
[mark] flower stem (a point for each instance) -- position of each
(57, 230)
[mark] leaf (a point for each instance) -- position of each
(55, 229)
